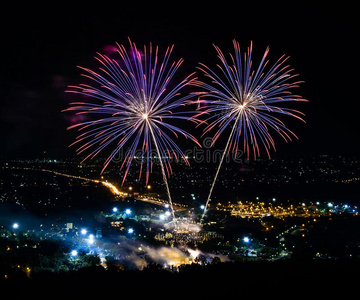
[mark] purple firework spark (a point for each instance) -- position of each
(133, 103)
(250, 100)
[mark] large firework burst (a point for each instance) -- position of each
(133, 101)
(250, 101)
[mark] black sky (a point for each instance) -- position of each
(42, 45)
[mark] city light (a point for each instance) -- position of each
(171, 245)
(91, 239)
(112, 188)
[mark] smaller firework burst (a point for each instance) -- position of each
(249, 101)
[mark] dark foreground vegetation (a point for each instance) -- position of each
(276, 277)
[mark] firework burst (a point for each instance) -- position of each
(250, 101)
(132, 101)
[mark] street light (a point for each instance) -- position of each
(91, 239)
(74, 253)
(15, 225)
(246, 239)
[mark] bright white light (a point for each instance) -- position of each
(145, 116)
(115, 209)
(15, 226)
(162, 217)
(83, 231)
(91, 239)
(330, 204)
(168, 214)
(246, 239)
(167, 205)
(128, 211)
(193, 253)
(202, 206)
(242, 106)
(130, 230)
(74, 253)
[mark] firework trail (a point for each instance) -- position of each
(132, 101)
(251, 99)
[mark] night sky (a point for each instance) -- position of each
(42, 45)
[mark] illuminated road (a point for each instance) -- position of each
(110, 186)
(117, 192)
(161, 202)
